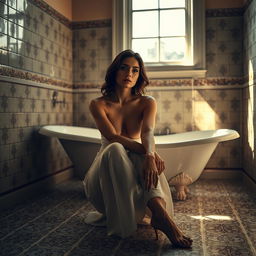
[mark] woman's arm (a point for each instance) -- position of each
(154, 165)
(148, 125)
(108, 130)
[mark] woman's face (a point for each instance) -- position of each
(128, 73)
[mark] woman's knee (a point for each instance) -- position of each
(116, 148)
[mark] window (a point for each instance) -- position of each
(169, 35)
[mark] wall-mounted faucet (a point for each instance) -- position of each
(55, 99)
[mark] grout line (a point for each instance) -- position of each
(43, 237)
(202, 231)
(78, 242)
(24, 225)
(253, 249)
(18, 209)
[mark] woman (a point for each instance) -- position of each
(127, 176)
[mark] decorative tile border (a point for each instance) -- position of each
(171, 82)
(20, 74)
(87, 86)
(91, 24)
(225, 82)
(249, 81)
(52, 12)
(219, 81)
(224, 12)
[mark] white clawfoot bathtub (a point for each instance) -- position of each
(185, 154)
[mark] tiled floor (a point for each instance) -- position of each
(219, 215)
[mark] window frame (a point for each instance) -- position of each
(121, 38)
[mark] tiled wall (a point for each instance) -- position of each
(36, 59)
(249, 91)
(91, 52)
(92, 43)
(224, 37)
(183, 104)
(25, 155)
(37, 45)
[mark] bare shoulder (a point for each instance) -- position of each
(147, 99)
(97, 103)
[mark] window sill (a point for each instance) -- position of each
(177, 74)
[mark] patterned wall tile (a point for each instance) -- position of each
(224, 46)
(23, 109)
(92, 54)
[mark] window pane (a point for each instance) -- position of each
(172, 49)
(144, 4)
(171, 3)
(145, 24)
(147, 48)
(172, 23)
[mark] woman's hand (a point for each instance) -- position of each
(150, 171)
(159, 163)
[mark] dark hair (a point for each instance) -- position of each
(108, 88)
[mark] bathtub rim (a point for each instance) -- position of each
(230, 134)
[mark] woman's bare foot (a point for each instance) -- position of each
(169, 228)
(162, 221)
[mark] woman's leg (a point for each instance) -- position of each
(159, 201)
(122, 195)
(162, 221)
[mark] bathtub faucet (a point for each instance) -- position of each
(164, 131)
(55, 101)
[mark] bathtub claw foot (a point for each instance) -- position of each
(186, 189)
(181, 192)
(180, 182)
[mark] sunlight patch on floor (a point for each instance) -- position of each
(211, 217)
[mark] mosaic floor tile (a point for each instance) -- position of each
(238, 239)
(227, 250)
(55, 239)
(75, 227)
(22, 238)
(178, 252)
(106, 245)
(213, 228)
(218, 215)
(12, 249)
(4, 228)
(83, 252)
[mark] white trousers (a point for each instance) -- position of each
(114, 185)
